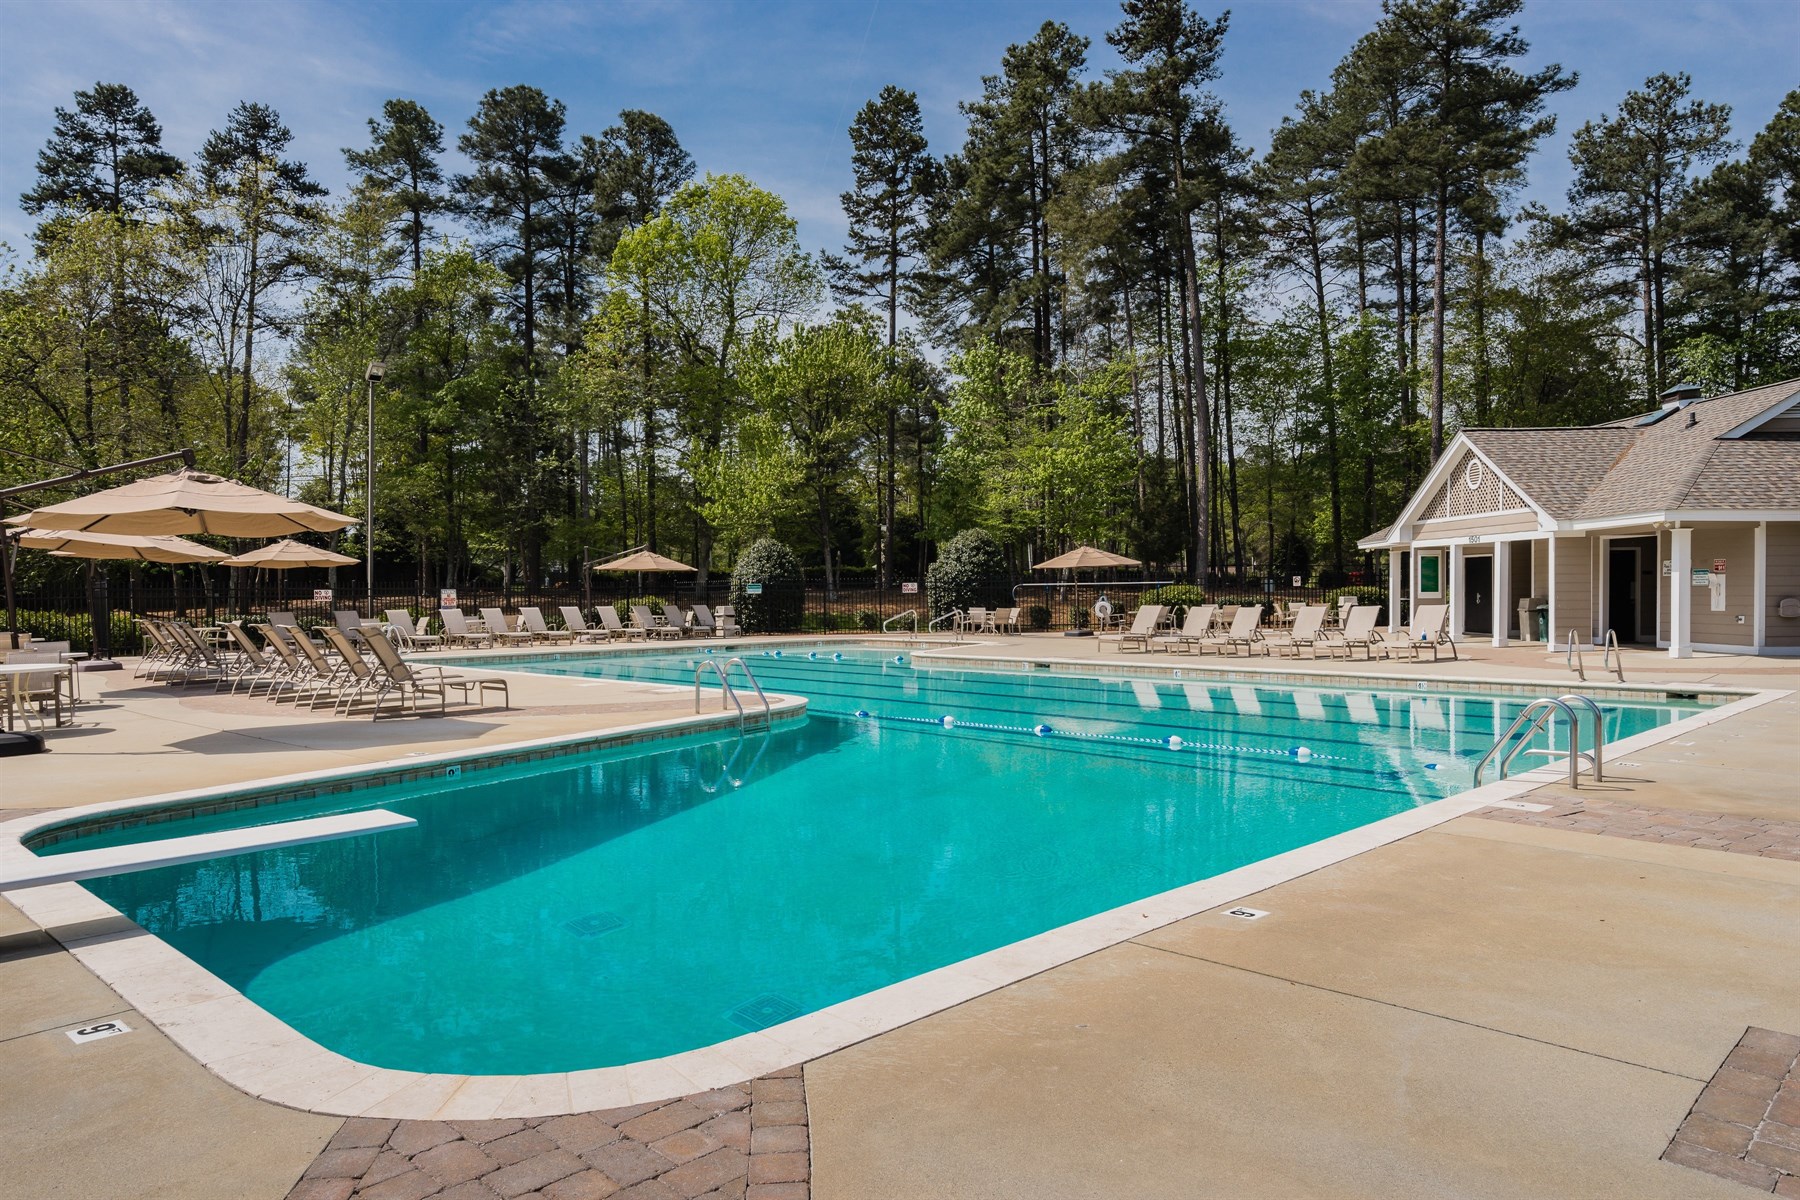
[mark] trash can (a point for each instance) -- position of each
(1541, 619)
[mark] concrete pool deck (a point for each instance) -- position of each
(1486, 1008)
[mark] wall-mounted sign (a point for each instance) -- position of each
(1297, 581)
(909, 589)
(322, 594)
(1430, 581)
(1700, 577)
(753, 589)
(1718, 566)
(446, 597)
(1668, 568)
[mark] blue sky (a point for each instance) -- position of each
(765, 89)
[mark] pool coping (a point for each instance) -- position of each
(254, 1051)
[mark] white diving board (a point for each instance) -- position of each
(143, 856)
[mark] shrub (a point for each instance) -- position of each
(969, 566)
(1178, 596)
(1038, 618)
(1364, 595)
(778, 608)
(868, 620)
(655, 604)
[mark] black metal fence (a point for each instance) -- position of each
(65, 611)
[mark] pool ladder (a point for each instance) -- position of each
(911, 614)
(1538, 715)
(1611, 658)
(728, 694)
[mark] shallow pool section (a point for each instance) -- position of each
(617, 905)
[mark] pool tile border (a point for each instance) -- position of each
(256, 1052)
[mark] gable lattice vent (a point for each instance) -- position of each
(1472, 489)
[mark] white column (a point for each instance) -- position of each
(1759, 588)
(1681, 602)
(1395, 590)
(1550, 591)
(1453, 589)
(1502, 590)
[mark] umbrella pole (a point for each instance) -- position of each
(7, 552)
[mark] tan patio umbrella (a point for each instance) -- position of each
(187, 501)
(644, 560)
(1083, 558)
(287, 554)
(124, 547)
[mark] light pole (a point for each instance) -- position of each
(372, 376)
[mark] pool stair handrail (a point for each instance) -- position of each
(1573, 658)
(911, 614)
(1537, 715)
(1612, 658)
(730, 695)
(955, 614)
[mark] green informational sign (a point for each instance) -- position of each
(1429, 584)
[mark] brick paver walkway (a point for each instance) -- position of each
(1706, 831)
(1746, 1124)
(748, 1142)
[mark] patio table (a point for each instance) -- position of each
(13, 677)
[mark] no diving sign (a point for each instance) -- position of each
(101, 1029)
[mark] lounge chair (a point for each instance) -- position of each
(409, 681)
(1143, 627)
(609, 620)
(1359, 630)
(355, 677)
(1194, 629)
(316, 675)
(1344, 605)
(459, 632)
(531, 618)
(402, 624)
(726, 617)
(702, 623)
(255, 667)
(578, 625)
(644, 619)
(1308, 631)
(1429, 630)
(499, 630)
(1244, 630)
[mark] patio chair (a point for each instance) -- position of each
(459, 632)
(1359, 631)
(166, 654)
(1143, 627)
(1307, 631)
(410, 636)
(609, 620)
(1194, 630)
(1341, 612)
(531, 619)
(1245, 630)
(702, 621)
(356, 678)
(296, 669)
(1006, 620)
(314, 674)
(584, 632)
(27, 693)
(976, 620)
(726, 617)
(644, 619)
(408, 681)
(1429, 630)
(255, 668)
(497, 627)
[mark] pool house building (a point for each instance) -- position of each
(1679, 528)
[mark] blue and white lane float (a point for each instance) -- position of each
(1176, 742)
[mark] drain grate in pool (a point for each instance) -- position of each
(594, 924)
(764, 1011)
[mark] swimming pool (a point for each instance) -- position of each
(621, 904)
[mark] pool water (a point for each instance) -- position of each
(616, 905)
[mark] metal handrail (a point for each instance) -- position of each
(1613, 657)
(954, 614)
(910, 614)
(1573, 658)
(1543, 708)
(751, 676)
(727, 692)
(1599, 733)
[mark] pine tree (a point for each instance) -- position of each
(402, 158)
(890, 162)
(515, 142)
(1632, 171)
(106, 156)
(269, 202)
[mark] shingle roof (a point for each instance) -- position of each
(1681, 461)
(1557, 468)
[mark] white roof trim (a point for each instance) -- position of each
(1438, 475)
(1708, 516)
(1779, 408)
